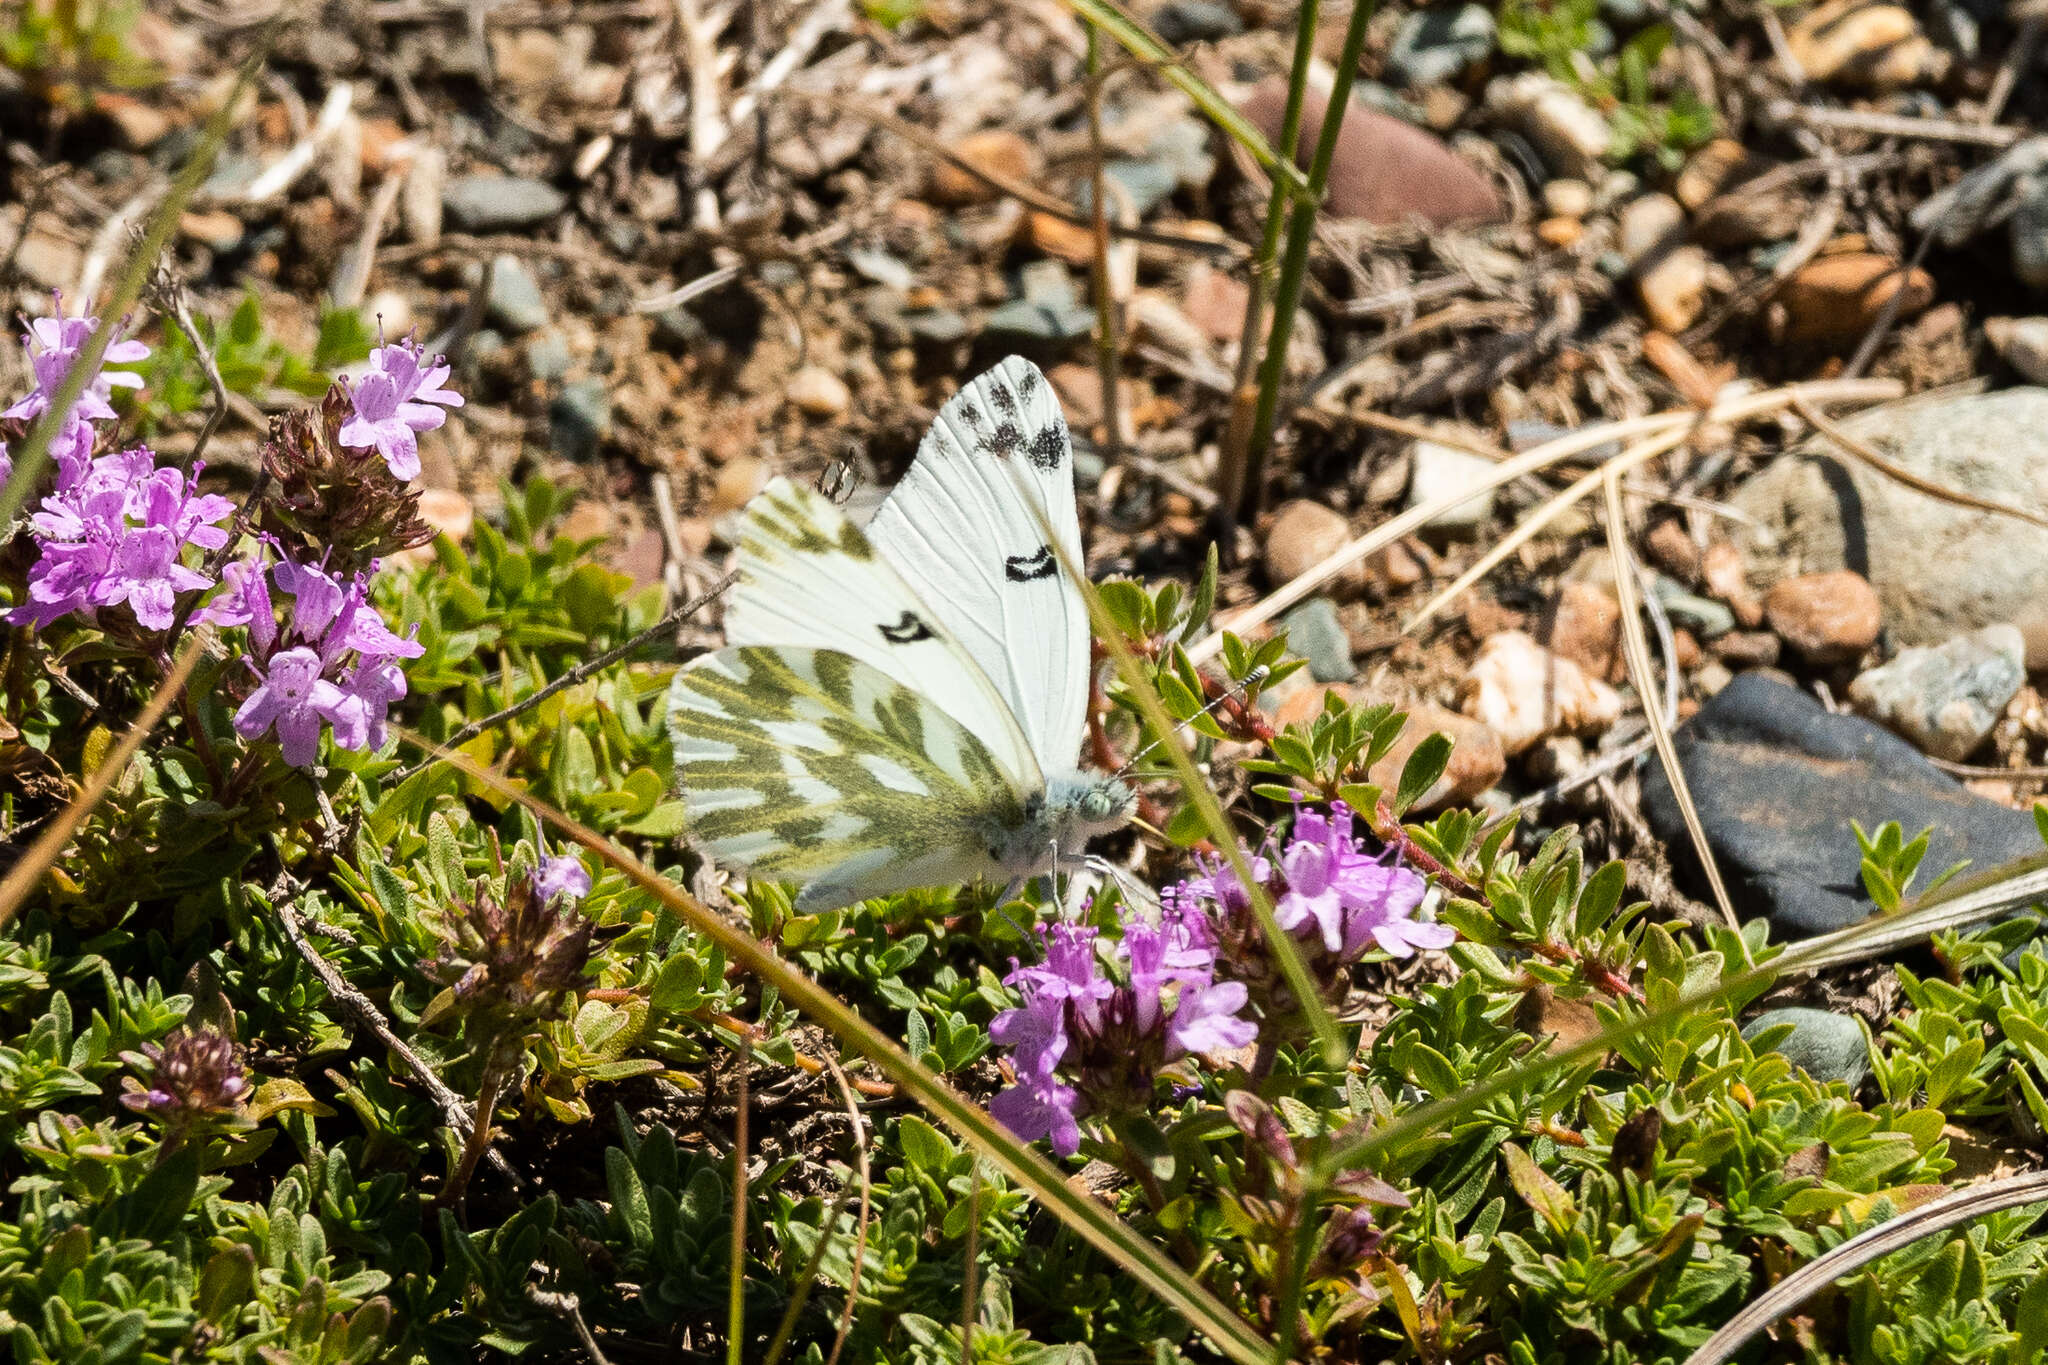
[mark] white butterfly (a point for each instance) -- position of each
(903, 707)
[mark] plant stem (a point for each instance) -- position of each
(1294, 266)
(1236, 473)
(1106, 338)
(1293, 1279)
(736, 1298)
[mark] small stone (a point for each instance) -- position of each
(500, 203)
(1570, 134)
(1568, 198)
(1216, 303)
(448, 512)
(1523, 692)
(995, 150)
(1477, 760)
(547, 355)
(1747, 649)
(141, 125)
(419, 199)
(1838, 298)
(1145, 184)
(1195, 21)
(2028, 232)
(1825, 1045)
(1712, 675)
(1830, 618)
(1314, 633)
(936, 326)
(215, 229)
(1562, 233)
(1583, 624)
(1439, 471)
(1946, 698)
(1554, 758)
(49, 261)
(1674, 287)
(515, 301)
(1715, 169)
(2021, 343)
(737, 481)
(1873, 46)
(1649, 224)
(1433, 46)
(1303, 535)
(818, 392)
(580, 418)
(1050, 311)
(1685, 649)
(1703, 616)
(1384, 170)
(1721, 568)
(1669, 544)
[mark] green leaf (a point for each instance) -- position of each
(1549, 1199)
(924, 1147)
(1421, 771)
(917, 1037)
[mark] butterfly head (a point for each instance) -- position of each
(1079, 806)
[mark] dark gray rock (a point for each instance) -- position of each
(1314, 633)
(1195, 21)
(1825, 1045)
(1050, 310)
(1777, 781)
(499, 203)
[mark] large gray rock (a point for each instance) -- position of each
(1939, 568)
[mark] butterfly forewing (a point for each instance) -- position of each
(808, 765)
(809, 577)
(978, 527)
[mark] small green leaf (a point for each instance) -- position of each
(1422, 770)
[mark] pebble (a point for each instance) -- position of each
(1523, 692)
(1439, 471)
(448, 512)
(1583, 624)
(818, 392)
(2021, 343)
(1433, 46)
(1874, 46)
(1825, 1045)
(579, 419)
(1554, 758)
(2029, 233)
(1146, 184)
(547, 355)
(1673, 287)
(1570, 134)
(1837, 298)
(216, 229)
(49, 261)
(500, 203)
(1195, 21)
(1305, 533)
(420, 197)
(1713, 187)
(996, 150)
(1672, 547)
(1721, 569)
(1777, 780)
(1829, 618)
(1384, 170)
(1050, 310)
(1747, 648)
(1703, 616)
(515, 301)
(1939, 568)
(1648, 224)
(1477, 759)
(1314, 633)
(936, 326)
(1562, 233)
(1946, 698)
(1568, 198)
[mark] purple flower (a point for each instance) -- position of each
(1206, 1019)
(397, 400)
(293, 699)
(561, 875)
(54, 344)
(1039, 1106)
(1352, 900)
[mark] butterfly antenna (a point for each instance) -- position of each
(1250, 680)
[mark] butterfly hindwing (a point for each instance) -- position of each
(978, 527)
(809, 577)
(808, 765)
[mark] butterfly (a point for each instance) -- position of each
(903, 706)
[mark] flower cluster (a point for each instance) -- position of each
(1082, 1042)
(116, 529)
(563, 875)
(334, 661)
(402, 395)
(194, 1075)
(510, 960)
(1200, 980)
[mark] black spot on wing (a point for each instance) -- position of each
(1027, 382)
(908, 629)
(1002, 400)
(1040, 563)
(1048, 447)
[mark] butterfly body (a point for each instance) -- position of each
(902, 706)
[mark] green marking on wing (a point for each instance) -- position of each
(808, 765)
(779, 513)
